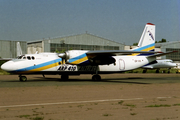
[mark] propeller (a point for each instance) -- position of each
(64, 57)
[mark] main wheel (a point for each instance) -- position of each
(64, 77)
(96, 77)
(144, 71)
(157, 71)
(22, 78)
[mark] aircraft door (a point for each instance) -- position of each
(121, 64)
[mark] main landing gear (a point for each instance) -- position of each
(96, 77)
(22, 78)
(64, 77)
(145, 70)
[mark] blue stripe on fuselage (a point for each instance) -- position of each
(144, 47)
(38, 65)
(77, 58)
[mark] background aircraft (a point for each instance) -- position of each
(76, 62)
(18, 51)
(157, 64)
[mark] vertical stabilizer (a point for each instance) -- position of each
(147, 40)
(19, 51)
(148, 36)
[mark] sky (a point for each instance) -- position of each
(122, 21)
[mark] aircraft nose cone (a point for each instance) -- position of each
(7, 66)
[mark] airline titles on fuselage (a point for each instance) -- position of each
(67, 67)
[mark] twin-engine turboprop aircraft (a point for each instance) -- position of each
(157, 64)
(76, 62)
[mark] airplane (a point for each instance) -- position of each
(157, 64)
(76, 62)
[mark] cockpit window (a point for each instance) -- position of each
(28, 57)
(20, 57)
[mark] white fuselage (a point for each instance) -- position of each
(50, 63)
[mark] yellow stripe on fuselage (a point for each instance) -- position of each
(79, 60)
(41, 68)
(148, 49)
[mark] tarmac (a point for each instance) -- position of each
(116, 96)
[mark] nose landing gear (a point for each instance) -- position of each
(22, 78)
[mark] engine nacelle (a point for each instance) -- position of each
(79, 57)
(74, 56)
(75, 53)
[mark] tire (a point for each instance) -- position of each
(64, 77)
(96, 77)
(23, 78)
(157, 71)
(144, 71)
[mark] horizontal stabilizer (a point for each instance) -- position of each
(161, 54)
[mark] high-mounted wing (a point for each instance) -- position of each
(105, 57)
(101, 57)
(115, 52)
(82, 57)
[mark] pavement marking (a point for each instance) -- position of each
(106, 100)
(162, 97)
(73, 102)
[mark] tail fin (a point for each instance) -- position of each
(19, 51)
(147, 40)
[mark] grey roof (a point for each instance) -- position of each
(51, 38)
(158, 45)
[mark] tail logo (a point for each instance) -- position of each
(151, 35)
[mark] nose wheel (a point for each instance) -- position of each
(22, 78)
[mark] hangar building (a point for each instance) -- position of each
(8, 49)
(84, 41)
(167, 47)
